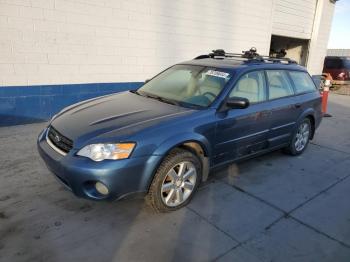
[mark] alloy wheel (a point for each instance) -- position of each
(178, 184)
(302, 136)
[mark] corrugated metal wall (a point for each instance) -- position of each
(338, 52)
(294, 18)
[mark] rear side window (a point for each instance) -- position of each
(251, 86)
(279, 85)
(302, 82)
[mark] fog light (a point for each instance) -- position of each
(101, 188)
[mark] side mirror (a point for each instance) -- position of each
(237, 103)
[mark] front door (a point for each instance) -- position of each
(241, 132)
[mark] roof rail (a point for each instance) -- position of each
(248, 56)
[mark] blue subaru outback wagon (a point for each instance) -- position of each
(163, 139)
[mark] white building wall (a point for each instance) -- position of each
(320, 36)
(293, 18)
(305, 19)
(89, 41)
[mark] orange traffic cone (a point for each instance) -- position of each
(325, 92)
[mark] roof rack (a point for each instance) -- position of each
(248, 56)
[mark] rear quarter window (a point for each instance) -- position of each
(302, 82)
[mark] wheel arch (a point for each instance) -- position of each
(199, 150)
(313, 128)
(310, 114)
(196, 144)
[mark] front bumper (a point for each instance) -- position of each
(79, 174)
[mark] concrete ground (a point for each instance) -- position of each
(341, 89)
(272, 208)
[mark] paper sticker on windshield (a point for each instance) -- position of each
(217, 73)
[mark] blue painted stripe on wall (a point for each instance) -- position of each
(30, 104)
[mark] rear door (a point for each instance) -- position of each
(285, 109)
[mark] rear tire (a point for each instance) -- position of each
(300, 139)
(175, 182)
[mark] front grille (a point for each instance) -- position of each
(59, 140)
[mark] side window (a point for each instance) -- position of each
(251, 86)
(279, 85)
(302, 82)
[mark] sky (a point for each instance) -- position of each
(340, 31)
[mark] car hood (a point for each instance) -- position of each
(109, 116)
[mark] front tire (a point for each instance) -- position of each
(301, 138)
(175, 181)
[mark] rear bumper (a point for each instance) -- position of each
(79, 174)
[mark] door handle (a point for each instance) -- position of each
(297, 105)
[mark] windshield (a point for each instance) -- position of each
(346, 62)
(337, 63)
(187, 85)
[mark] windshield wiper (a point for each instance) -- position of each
(165, 100)
(159, 98)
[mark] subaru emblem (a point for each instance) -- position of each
(57, 138)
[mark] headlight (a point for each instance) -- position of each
(99, 152)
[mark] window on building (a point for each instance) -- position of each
(279, 85)
(251, 86)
